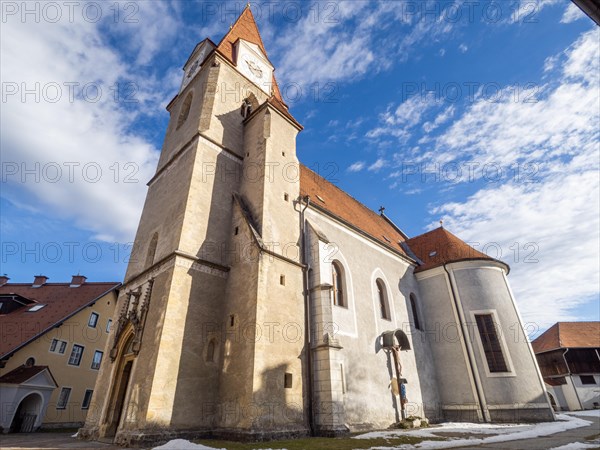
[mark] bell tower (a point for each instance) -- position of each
(210, 332)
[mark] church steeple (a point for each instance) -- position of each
(245, 29)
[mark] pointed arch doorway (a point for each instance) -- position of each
(117, 400)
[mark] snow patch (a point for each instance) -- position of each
(589, 413)
(500, 432)
(182, 444)
(575, 446)
(75, 435)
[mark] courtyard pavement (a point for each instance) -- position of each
(587, 437)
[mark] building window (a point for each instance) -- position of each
(282, 280)
(415, 312)
(87, 399)
(58, 346)
(63, 398)
(337, 277)
(210, 351)
(185, 110)
(587, 379)
(30, 362)
(97, 359)
(383, 301)
(108, 325)
(151, 250)
(287, 380)
(491, 343)
(93, 320)
(76, 353)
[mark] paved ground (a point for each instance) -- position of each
(33, 441)
(54, 440)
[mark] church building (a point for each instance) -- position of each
(261, 301)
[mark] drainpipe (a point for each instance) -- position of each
(571, 377)
(307, 327)
(463, 326)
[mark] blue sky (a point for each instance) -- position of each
(481, 114)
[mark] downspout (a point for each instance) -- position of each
(463, 326)
(307, 327)
(571, 377)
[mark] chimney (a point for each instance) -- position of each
(3, 279)
(39, 281)
(77, 281)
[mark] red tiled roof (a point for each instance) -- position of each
(341, 205)
(245, 28)
(22, 374)
(568, 335)
(438, 247)
(20, 326)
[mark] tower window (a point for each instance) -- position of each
(231, 320)
(287, 380)
(151, 250)
(415, 312)
(383, 301)
(491, 343)
(210, 351)
(185, 111)
(337, 277)
(282, 280)
(237, 230)
(286, 197)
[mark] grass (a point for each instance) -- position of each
(316, 443)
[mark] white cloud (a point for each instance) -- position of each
(571, 14)
(398, 122)
(549, 211)
(463, 48)
(528, 10)
(442, 118)
(377, 165)
(442, 51)
(357, 166)
(351, 40)
(50, 133)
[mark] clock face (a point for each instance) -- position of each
(254, 68)
(193, 68)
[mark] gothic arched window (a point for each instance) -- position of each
(210, 351)
(383, 300)
(337, 276)
(185, 110)
(151, 250)
(415, 312)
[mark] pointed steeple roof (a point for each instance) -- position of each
(245, 28)
(438, 247)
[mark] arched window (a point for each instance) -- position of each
(337, 276)
(210, 351)
(185, 110)
(151, 250)
(30, 362)
(415, 312)
(383, 301)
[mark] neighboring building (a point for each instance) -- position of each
(241, 250)
(52, 339)
(568, 354)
